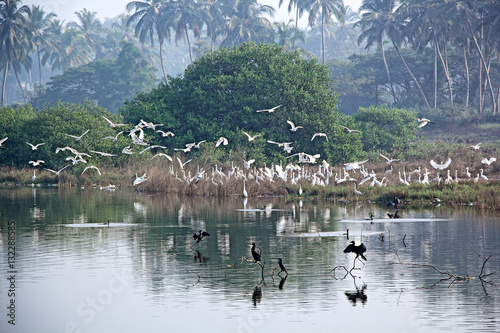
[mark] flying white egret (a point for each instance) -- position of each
(294, 128)
(114, 138)
(389, 160)
(222, 140)
(36, 163)
(57, 172)
(127, 150)
(78, 138)
(92, 167)
(165, 134)
(163, 155)
(488, 161)
(251, 138)
(349, 130)
(139, 180)
(271, 110)
(35, 147)
(476, 147)
(182, 164)
(247, 164)
(423, 121)
(354, 165)
(101, 153)
(441, 166)
(3, 140)
(319, 134)
(113, 124)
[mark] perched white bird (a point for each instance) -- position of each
(3, 140)
(251, 138)
(300, 189)
(476, 147)
(245, 194)
(35, 147)
(441, 166)
(57, 172)
(467, 173)
(92, 167)
(222, 140)
(294, 128)
(247, 164)
(271, 110)
(165, 134)
(488, 161)
(423, 121)
(114, 138)
(483, 176)
(389, 160)
(36, 163)
(319, 134)
(356, 190)
(34, 176)
(78, 138)
(349, 130)
(113, 124)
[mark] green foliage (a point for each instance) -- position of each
(109, 82)
(387, 129)
(220, 93)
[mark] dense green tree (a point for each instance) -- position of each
(220, 93)
(109, 82)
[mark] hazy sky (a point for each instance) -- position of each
(65, 9)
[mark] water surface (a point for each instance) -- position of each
(145, 273)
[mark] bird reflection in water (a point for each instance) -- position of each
(358, 295)
(282, 282)
(256, 295)
(199, 257)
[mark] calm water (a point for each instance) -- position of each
(144, 274)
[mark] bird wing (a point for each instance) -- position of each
(249, 136)
(434, 164)
(291, 123)
(349, 248)
(447, 163)
(387, 158)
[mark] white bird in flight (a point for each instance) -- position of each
(251, 138)
(182, 164)
(488, 161)
(222, 140)
(113, 124)
(36, 163)
(271, 110)
(349, 130)
(441, 166)
(92, 167)
(127, 150)
(163, 155)
(35, 147)
(57, 172)
(423, 121)
(78, 138)
(3, 140)
(247, 164)
(114, 138)
(476, 147)
(101, 153)
(389, 160)
(165, 134)
(294, 128)
(319, 134)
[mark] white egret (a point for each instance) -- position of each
(182, 164)
(92, 167)
(245, 194)
(349, 130)
(222, 140)
(163, 155)
(35, 147)
(389, 160)
(300, 189)
(483, 176)
(294, 128)
(271, 110)
(423, 121)
(36, 163)
(127, 150)
(251, 138)
(139, 180)
(34, 176)
(441, 166)
(113, 124)
(247, 164)
(102, 153)
(319, 134)
(57, 172)
(78, 138)
(488, 161)
(354, 165)
(356, 190)
(114, 138)
(165, 134)
(476, 147)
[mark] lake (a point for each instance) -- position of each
(72, 272)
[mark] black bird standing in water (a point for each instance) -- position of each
(358, 249)
(256, 253)
(394, 203)
(282, 267)
(198, 237)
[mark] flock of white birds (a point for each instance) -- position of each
(323, 175)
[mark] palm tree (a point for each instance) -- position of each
(325, 9)
(39, 23)
(246, 22)
(287, 34)
(15, 39)
(299, 8)
(374, 24)
(148, 22)
(90, 27)
(72, 50)
(184, 15)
